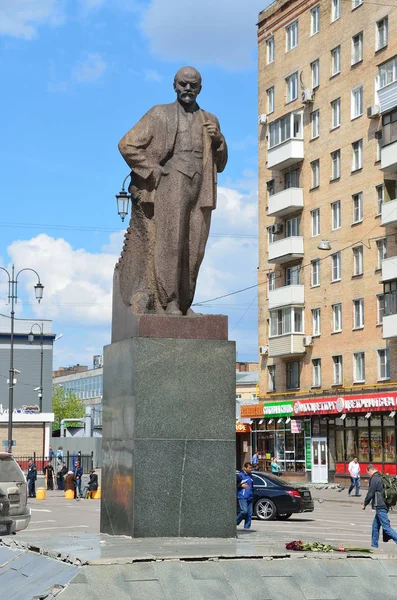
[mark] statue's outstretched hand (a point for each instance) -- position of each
(214, 133)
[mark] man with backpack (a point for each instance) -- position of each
(382, 494)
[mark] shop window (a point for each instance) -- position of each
(340, 445)
(376, 439)
(363, 440)
(389, 440)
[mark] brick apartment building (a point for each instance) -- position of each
(327, 236)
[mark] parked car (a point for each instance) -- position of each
(275, 498)
(14, 512)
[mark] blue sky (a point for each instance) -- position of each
(76, 75)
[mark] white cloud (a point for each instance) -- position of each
(90, 69)
(21, 18)
(221, 32)
(152, 75)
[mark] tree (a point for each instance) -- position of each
(66, 405)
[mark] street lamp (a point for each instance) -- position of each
(13, 298)
(123, 199)
(31, 340)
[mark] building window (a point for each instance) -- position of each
(315, 121)
(292, 228)
(285, 321)
(291, 32)
(335, 61)
(315, 222)
(379, 198)
(270, 187)
(359, 367)
(356, 3)
(378, 149)
(271, 378)
(390, 289)
(358, 260)
(316, 321)
(315, 66)
(270, 235)
(291, 179)
(315, 166)
(389, 129)
(358, 313)
(293, 375)
(357, 48)
(382, 33)
(336, 4)
(271, 281)
(338, 370)
(336, 215)
(270, 50)
(387, 73)
(336, 266)
(289, 126)
(292, 275)
(337, 317)
(381, 246)
(292, 87)
(270, 100)
(335, 110)
(335, 163)
(358, 212)
(357, 102)
(384, 363)
(381, 308)
(315, 20)
(357, 158)
(316, 364)
(315, 272)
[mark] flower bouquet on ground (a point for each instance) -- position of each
(318, 547)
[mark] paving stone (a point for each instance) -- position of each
(176, 580)
(274, 568)
(145, 590)
(348, 588)
(138, 571)
(243, 576)
(216, 589)
(281, 588)
(369, 572)
(8, 554)
(390, 566)
(80, 591)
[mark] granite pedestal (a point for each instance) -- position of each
(169, 434)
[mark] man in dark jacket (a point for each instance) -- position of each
(381, 518)
(245, 494)
(78, 473)
(31, 478)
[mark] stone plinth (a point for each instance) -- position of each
(168, 465)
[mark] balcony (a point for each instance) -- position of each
(389, 213)
(389, 327)
(286, 202)
(286, 295)
(286, 154)
(286, 345)
(285, 250)
(389, 268)
(388, 157)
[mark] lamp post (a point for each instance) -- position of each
(12, 298)
(123, 199)
(31, 340)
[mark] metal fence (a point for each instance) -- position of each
(86, 461)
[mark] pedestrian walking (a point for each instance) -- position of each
(354, 470)
(60, 453)
(375, 495)
(61, 472)
(48, 471)
(31, 478)
(78, 474)
(245, 494)
(51, 454)
(275, 467)
(70, 483)
(255, 461)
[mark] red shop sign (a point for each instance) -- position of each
(349, 404)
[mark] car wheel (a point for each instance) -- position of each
(284, 517)
(265, 510)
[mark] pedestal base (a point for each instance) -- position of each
(169, 438)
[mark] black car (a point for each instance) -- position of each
(275, 498)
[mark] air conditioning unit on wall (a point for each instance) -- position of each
(307, 96)
(373, 111)
(263, 350)
(276, 228)
(262, 119)
(308, 341)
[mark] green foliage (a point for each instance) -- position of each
(65, 405)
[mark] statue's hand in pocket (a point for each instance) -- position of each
(158, 172)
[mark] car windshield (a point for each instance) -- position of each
(9, 470)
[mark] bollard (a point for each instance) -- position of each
(40, 493)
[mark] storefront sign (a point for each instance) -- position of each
(25, 410)
(348, 404)
(308, 454)
(243, 428)
(296, 426)
(278, 409)
(251, 410)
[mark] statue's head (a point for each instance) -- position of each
(187, 84)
